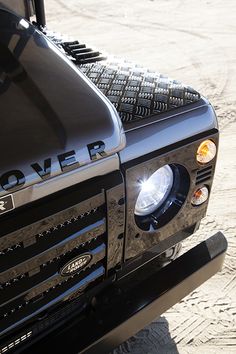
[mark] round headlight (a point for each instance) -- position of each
(206, 151)
(154, 191)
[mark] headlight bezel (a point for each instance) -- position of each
(186, 220)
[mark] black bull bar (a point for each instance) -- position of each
(137, 299)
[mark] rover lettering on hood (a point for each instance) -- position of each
(16, 179)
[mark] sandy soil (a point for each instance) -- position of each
(195, 42)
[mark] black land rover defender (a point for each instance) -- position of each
(105, 168)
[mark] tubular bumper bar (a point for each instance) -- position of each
(134, 301)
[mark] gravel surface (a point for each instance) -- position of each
(194, 42)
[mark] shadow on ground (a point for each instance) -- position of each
(154, 339)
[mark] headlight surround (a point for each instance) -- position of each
(154, 191)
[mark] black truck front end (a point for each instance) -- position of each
(105, 168)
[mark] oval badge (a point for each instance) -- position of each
(75, 265)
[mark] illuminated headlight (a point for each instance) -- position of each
(154, 191)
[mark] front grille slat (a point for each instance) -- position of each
(65, 246)
(28, 232)
(53, 280)
(49, 239)
(98, 255)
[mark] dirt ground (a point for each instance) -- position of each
(194, 42)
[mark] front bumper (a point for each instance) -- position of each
(137, 299)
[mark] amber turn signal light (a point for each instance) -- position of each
(200, 196)
(206, 151)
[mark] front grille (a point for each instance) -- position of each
(32, 255)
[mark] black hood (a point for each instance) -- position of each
(48, 107)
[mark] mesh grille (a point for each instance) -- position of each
(32, 256)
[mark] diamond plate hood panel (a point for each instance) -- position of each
(136, 92)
